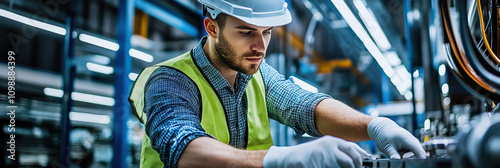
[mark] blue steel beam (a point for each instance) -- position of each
(123, 64)
(68, 86)
(409, 57)
(167, 17)
(161, 4)
(386, 90)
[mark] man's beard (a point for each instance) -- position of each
(227, 57)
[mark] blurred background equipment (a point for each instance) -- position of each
(433, 66)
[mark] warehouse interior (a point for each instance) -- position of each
(433, 66)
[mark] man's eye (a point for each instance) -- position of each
(267, 32)
(245, 33)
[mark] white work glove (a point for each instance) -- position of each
(326, 151)
(392, 140)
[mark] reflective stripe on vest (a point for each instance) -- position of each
(213, 118)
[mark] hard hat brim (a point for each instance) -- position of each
(273, 21)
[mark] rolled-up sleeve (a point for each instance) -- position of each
(288, 103)
(172, 107)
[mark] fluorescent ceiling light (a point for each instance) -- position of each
(53, 92)
(445, 89)
(317, 15)
(99, 42)
(446, 101)
(427, 124)
(393, 58)
(405, 79)
(416, 74)
(304, 85)
(114, 47)
(395, 79)
(308, 4)
(140, 55)
(83, 97)
(88, 117)
(373, 26)
(365, 38)
(405, 85)
(442, 70)
(401, 71)
(103, 60)
(32, 22)
(414, 15)
(408, 95)
(402, 88)
(132, 76)
(99, 68)
(89, 98)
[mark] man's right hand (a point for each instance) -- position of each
(326, 151)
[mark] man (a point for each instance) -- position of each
(205, 107)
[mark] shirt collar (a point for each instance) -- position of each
(213, 75)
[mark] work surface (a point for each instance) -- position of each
(409, 163)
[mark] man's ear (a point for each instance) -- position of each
(211, 27)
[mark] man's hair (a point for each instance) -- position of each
(220, 18)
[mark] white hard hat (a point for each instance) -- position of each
(263, 13)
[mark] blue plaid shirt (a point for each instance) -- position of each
(173, 103)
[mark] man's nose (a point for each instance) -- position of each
(259, 44)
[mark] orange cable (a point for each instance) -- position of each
(495, 57)
(463, 63)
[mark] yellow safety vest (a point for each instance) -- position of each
(213, 118)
